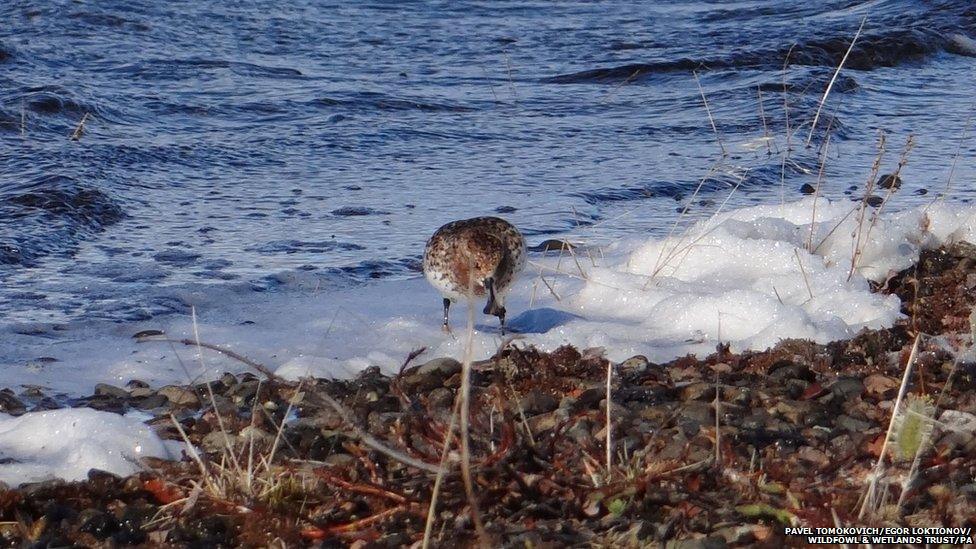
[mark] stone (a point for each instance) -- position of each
(537, 402)
(813, 456)
(846, 387)
(634, 365)
(10, 404)
(714, 542)
(150, 402)
(104, 389)
(216, 442)
(848, 423)
(141, 392)
(695, 415)
(698, 391)
(440, 398)
(180, 396)
(543, 422)
(444, 367)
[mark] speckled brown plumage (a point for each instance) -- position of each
(464, 257)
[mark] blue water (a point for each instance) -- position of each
(228, 144)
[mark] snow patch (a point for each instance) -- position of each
(68, 443)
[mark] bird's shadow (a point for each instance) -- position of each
(534, 321)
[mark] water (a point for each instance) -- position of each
(228, 144)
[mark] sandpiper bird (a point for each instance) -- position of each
(475, 257)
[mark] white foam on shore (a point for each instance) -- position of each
(746, 277)
(68, 443)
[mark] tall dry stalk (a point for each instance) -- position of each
(857, 246)
(465, 422)
(708, 111)
(833, 79)
(870, 497)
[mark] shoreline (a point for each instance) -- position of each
(799, 430)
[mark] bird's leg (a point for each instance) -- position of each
(447, 305)
(501, 319)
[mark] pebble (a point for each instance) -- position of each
(848, 423)
(537, 402)
(813, 456)
(141, 392)
(217, 442)
(179, 396)
(703, 543)
(440, 398)
(846, 387)
(545, 422)
(694, 415)
(699, 391)
(150, 402)
(104, 389)
(444, 367)
(634, 365)
(10, 404)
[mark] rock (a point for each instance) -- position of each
(141, 392)
(699, 391)
(786, 369)
(590, 398)
(324, 419)
(10, 404)
(813, 456)
(104, 389)
(796, 388)
(634, 365)
(430, 375)
(228, 380)
(180, 396)
(537, 402)
(693, 416)
(543, 422)
(581, 431)
(807, 188)
(881, 386)
(889, 181)
(41, 489)
(256, 434)
(444, 367)
(440, 398)
(381, 422)
(224, 406)
(958, 432)
(243, 391)
(846, 388)
(149, 402)
(216, 442)
(740, 396)
(106, 404)
(703, 543)
(737, 535)
(47, 403)
(135, 383)
(97, 523)
(339, 460)
(551, 244)
(850, 424)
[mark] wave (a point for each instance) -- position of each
(384, 102)
(196, 67)
(52, 214)
(893, 36)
